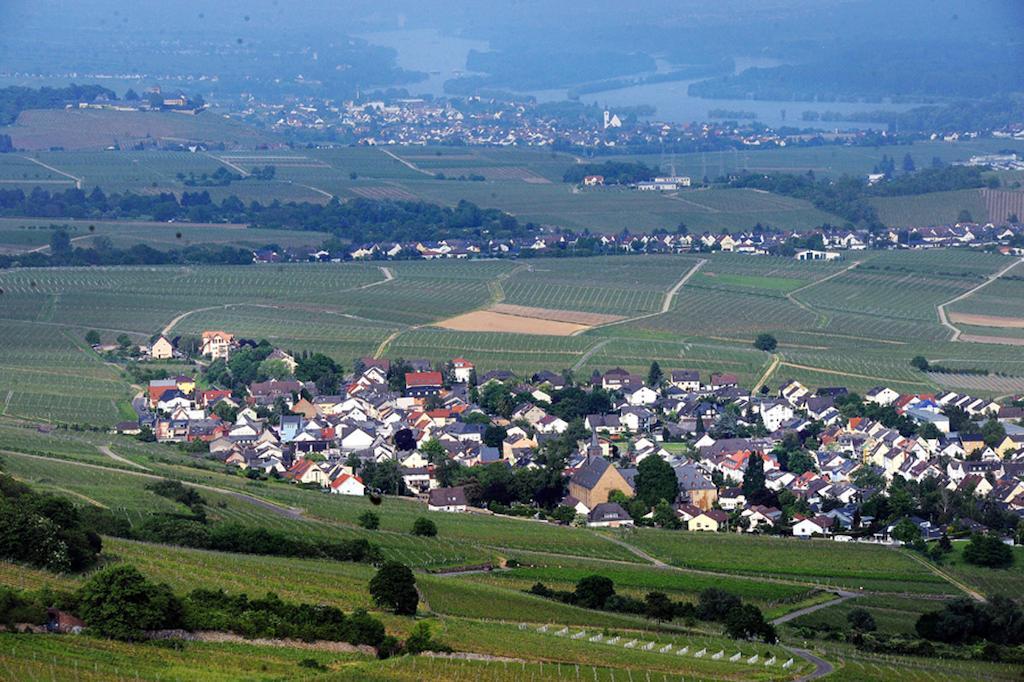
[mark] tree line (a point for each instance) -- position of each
(358, 220)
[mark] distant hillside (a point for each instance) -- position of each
(85, 129)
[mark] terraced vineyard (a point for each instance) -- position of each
(836, 324)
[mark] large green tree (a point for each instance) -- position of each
(655, 481)
(394, 588)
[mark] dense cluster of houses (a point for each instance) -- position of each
(823, 244)
(286, 428)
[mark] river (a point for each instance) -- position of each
(444, 57)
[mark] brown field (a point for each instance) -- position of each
(82, 129)
(384, 193)
(988, 320)
(570, 316)
(489, 321)
(498, 173)
(999, 340)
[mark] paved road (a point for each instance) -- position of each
(821, 666)
(793, 615)
(105, 449)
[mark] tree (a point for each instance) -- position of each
(746, 621)
(988, 550)
(765, 342)
(658, 606)
(92, 337)
(665, 516)
(494, 435)
(60, 245)
(753, 477)
(394, 588)
(920, 362)
(993, 433)
(593, 591)
(654, 375)
(905, 531)
(424, 527)
(124, 341)
(656, 480)
(965, 217)
(800, 462)
(120, 603)
(275, 369)
(369, 520)
(861, 620)
(908, 163)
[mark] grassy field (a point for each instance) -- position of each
(836, 564)
(525, 182)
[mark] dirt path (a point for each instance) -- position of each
(589, 354)
(78, 180)
(791, 296)
(388, 276)
(105, 449)
(941, 308)
(408, 164)
(666, 303)
(973, 594)
(776, 361)
(793, 615)
(44, 247)
(244, 173)
(843, 374)
(637, 551)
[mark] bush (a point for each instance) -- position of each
(424, 527)
(420, 640)
(369, 520)
(765, 342)
(861, 620)
(988, 550)
(120, 603)
(715, 604)
(593, 591)
(394, 588)
(44, 531)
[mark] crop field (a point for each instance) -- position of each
(858, 666)
(562, 572)
(827, 160)
(818, 562)
(989, 581)
(48, 658)
(74, 129)
(893, 615)
(836, 326)
(935, 208)
(1001, 206)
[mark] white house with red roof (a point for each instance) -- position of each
(347, 484)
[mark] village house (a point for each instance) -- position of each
(448, 499)
(217, 345)
(595, 480)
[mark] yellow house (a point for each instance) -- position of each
(186, 385)
(710, 521)
(162, 349)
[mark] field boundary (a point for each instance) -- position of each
(941, 307)
(666, 303)
(78, 180)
